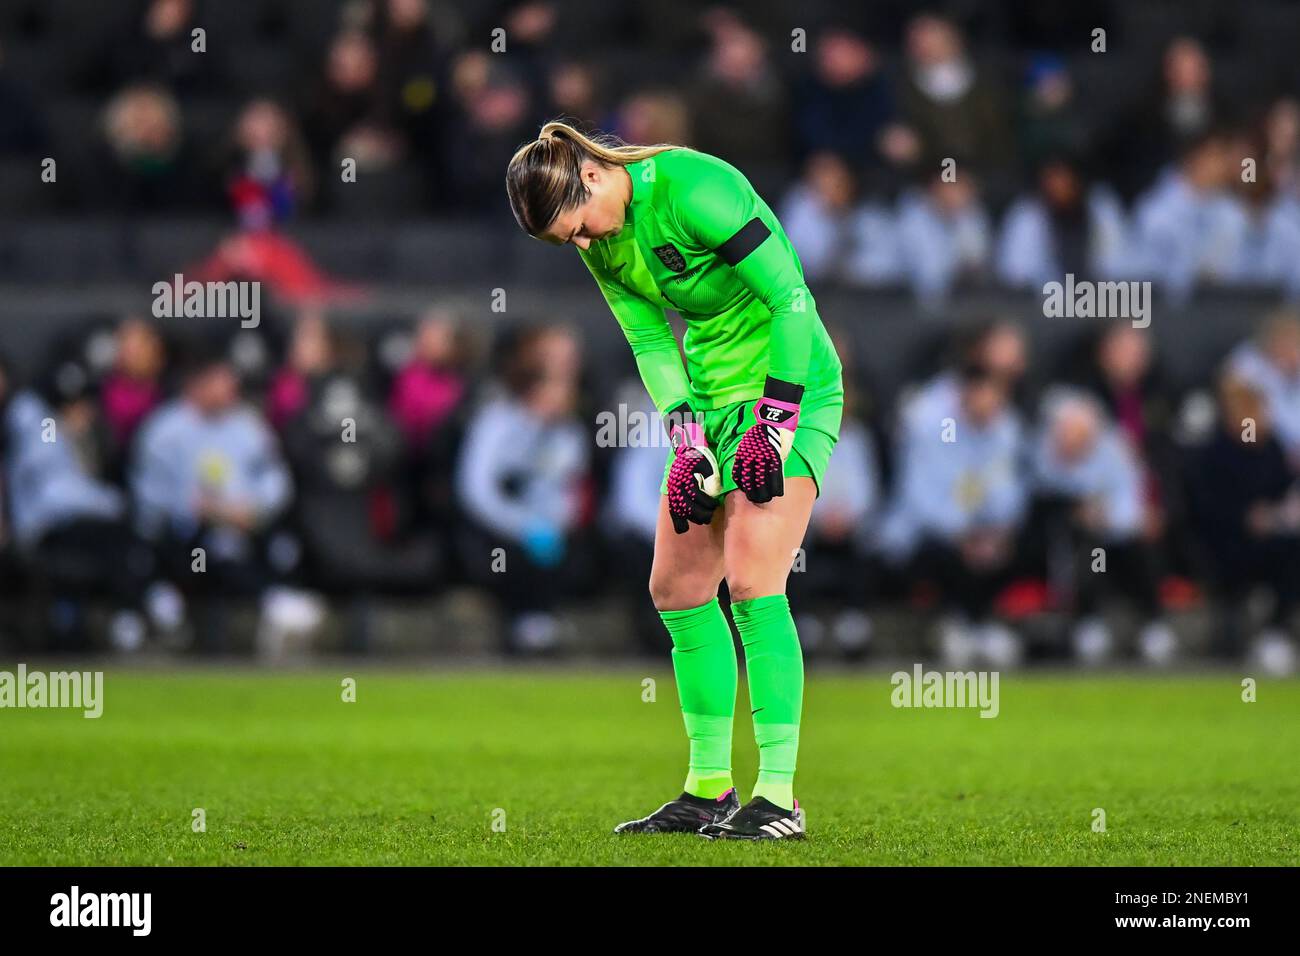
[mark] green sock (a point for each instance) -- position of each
(704, 660)
(774, 664)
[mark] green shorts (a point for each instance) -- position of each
(814, 439)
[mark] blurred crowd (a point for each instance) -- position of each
(311, 468)
(898, 149)
(305, 465)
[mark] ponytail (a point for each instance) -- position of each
(544, 177)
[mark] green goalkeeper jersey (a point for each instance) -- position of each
(700, 241)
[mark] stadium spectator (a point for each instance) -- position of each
(270, 173)
(132, 388)
(520, 482)
(1050, 123)
(956, 109)
(69, 526)
(738, 102)
(209, 482)
(1067, 226)
(147, 163)
(491, 112)
(534, 28)
(1162, 125)
(1282, 146)
(846, 106)
(1271, 365)
(1088, 505)
(69, 385)
(159, 48)
(838, 237)
(345, 117)
(429, 388)
(957, 503)
(311, 357)
(944, 236)
(428, 402)
(1247, 508)
(1119, 371)
(350, 509)
(1000, 345)
(1262, 225)
(1181, 224)
(411, 72)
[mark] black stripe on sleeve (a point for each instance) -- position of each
(746, 240)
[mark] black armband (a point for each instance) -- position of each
(748, 238)
(783, 391)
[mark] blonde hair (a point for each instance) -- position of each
(544, 177)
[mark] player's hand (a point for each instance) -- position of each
(694, 480)
(230, 514)
(760, 458)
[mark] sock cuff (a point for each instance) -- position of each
(691, 614)
(759, 607)
(710, 726)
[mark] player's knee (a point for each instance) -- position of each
(743, 587)
(680, 592)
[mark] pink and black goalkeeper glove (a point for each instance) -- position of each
(694, 481)
(760, 457)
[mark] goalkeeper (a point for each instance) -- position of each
(753, 418)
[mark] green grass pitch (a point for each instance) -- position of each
(419, 768)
